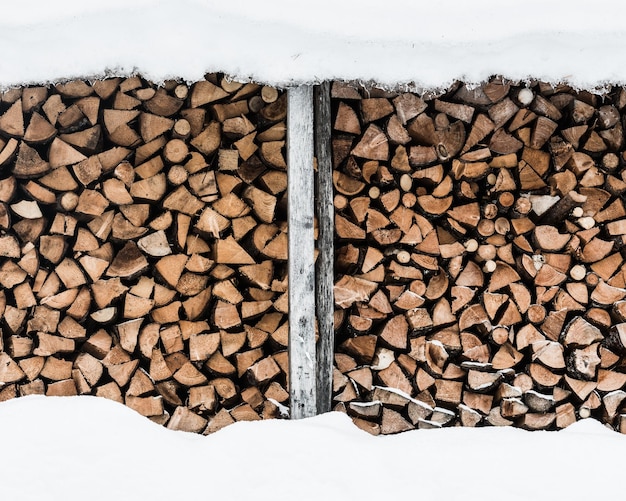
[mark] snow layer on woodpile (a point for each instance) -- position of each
(397, 42)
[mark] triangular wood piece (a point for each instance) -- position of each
(246, 146)
(86, 140)
(8, 150)
(522, 118)
(88, 170)
(205, 92)
(153, 126)
(116, 124)
(505, 181)
(538, 160)
(123, 101)
(468, 214)
(493, 302)
(373, 145)
(189, 375)
(94, 266)
(62, 154)
(573, 134)
(430, 244)
(74, 88)
(90, 106)
(259, 274)
(481, 128)
(105, 291)
(504, 143)
(208, 141)
(506, 357)
(171, 268)
(400, 160)
(32, 97)
(552, 326)
(10, 372)
(442, 313)
(59, 180)
(111, 158)
(347, 120)
(53, 108)
(163, 104)
(147, 151)
(461, 296)
(29, 163)
(502, 276)
(196, 306)
(105, 88)
(128, 262)
(140, 384)
(277, 247)
(581, 388)
(510, 316)
(122, 373)
(228, 251)
(12, 122)
(39, 130)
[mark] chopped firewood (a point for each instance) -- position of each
(373, 146)
(480, 266)
(92, 261)
(521, 246)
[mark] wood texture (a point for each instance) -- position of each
(300, 154)
(479, 270)
(325, 247)
(144, 247)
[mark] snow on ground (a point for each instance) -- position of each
(89, 448)
(286, 42)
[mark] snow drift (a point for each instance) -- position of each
(76, 448)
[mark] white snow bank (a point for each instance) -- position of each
(283, 42)
(79, 448)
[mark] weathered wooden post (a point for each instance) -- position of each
(302, 358)
(325, 247)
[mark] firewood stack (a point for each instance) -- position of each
(143, 243)
(480, 274)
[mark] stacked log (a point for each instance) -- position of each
(480, 273)
(143, 247)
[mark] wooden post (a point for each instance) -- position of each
(302, 373)
(326, 252)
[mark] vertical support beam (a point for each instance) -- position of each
(326, 251)
(302, 373)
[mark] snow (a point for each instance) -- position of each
(541, 395)
(366, 404)
(425, 44)
(77, 448)
(403, 394)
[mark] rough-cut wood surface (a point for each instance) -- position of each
(480, 244)
(325, 247)
(300, 155)
(143, 247)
